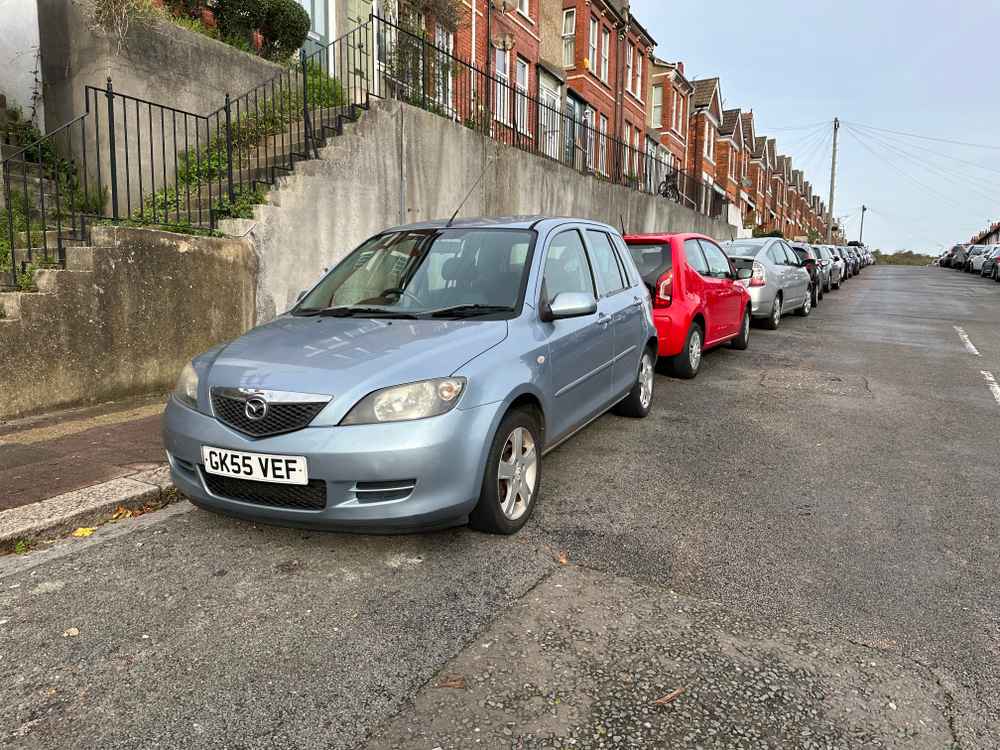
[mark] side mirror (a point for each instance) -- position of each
(570, 305)
(744, 273)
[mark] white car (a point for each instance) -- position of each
(977, 256)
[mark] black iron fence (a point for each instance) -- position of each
(128, 159)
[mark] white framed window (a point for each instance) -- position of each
(638, 72)
(605, 52)
(628, 144)
(732, 162)
(569, 38)
(636, 145)
(549, 119)
(594, 49)
(656, 107)
(522, 96)
(524, 8)
(709, 141)
(444, 40)
(501, 100)
(589, 140)
(629, 66)
(602, 146)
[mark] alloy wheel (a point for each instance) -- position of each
(517, 473)
(646, 381)
(807, 305)
(694, 349)
(776, 311)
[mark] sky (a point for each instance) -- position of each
(920, 67)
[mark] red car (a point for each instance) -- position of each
(698, 302)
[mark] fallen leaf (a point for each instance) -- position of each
(122, 512)
(670, 697)
(83, 531)
(455, 681)
(71, 633)
(563, 557)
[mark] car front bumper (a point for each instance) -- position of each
(441, 457)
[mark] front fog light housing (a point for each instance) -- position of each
(186, 390)
(403, 403)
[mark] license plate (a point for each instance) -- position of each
(259, 467)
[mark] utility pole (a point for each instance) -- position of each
(833, 183)
(861, 234)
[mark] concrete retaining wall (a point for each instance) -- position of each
(151, 302)
(401, 164)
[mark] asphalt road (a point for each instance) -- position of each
(797, 549)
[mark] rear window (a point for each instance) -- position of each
(652, 260)
(741, 248)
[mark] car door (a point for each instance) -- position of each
(580, 350)
(701, 291)
(726, 301)
(798, 276)
(619, 302)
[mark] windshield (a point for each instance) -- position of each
(428, 272)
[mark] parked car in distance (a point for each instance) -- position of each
(974, 262)
(989, 266)
(839, 252)
(853, 259)
(420, 381)
(778, 283)
(960, 257)
(811, 260)
(698, 302)
(946, 260)
(835, 267)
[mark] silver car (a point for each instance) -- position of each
(780, 282)
(835, 266)
(418, 384)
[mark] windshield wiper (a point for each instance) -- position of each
(355, 312)
(469, 311)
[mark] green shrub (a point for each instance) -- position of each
(238, 18)
(285, 28)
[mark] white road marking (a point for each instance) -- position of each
(992, 384)
(967, 341)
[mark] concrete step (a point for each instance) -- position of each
(48, 280)
(49, 239)
(79, 256)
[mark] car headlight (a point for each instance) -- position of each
(401, 403)
(186, 390)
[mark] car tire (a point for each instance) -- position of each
(742, 341)
(490, 515)
(640, 399)
(835, 284)
(807, 306)
(816, 296)
(687, 364)
(773, 320)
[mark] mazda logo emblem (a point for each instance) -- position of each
(255, 409)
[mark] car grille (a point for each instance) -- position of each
(281, 417)
(310, 496)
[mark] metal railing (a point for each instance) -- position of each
(128, 159)
(413, 68)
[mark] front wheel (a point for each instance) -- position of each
(688, 362)
(513, 475)
(742, 341)
(639, 400)
(817, 295)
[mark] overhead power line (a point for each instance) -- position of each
(928, 137)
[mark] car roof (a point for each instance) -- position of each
(666, 236)
(531, 221)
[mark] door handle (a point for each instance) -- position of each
(603, 320)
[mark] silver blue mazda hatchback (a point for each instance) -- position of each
(418, 384)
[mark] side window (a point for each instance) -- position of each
(695, 257)
(606, 264)
(718, 263)
(776, 254)
(791, 258)
(566, 266)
